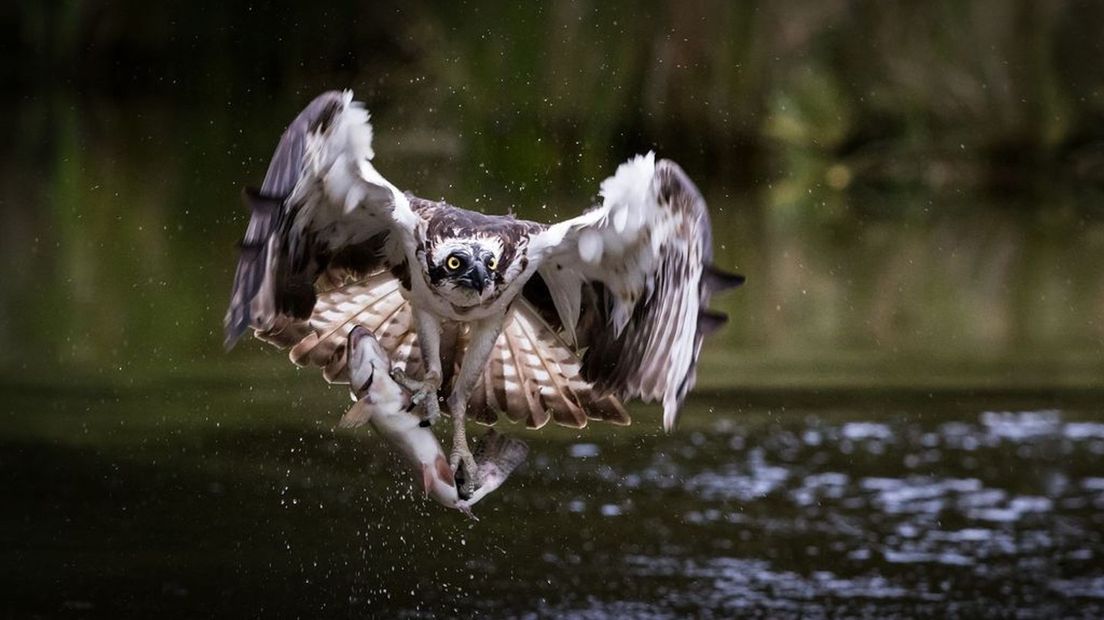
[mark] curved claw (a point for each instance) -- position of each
(432, 407)
(422, 393)
(466, 471)
(465, 508)
(407, 383)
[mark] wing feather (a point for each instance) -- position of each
(521, 402)
(645, 252)
(322, 205)
(496, 389)
(533, 373)
(375, 302)
(555, 390)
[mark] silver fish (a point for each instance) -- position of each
(386, 406)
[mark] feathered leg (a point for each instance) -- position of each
(425, 391)
(483, 336)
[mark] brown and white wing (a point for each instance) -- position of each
(532, 376)
(375, 303)
(643, 258)
(322, 207)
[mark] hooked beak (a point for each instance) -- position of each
(477, 277)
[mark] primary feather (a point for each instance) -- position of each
(646, 255)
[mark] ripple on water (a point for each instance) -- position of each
(1079, 431)
(977, 508)
(859, 431)
(584, 450)
(917, 494)
(1080, 587)
(1021, 425)
(739, 483)
(740, 583)
(1092, 484)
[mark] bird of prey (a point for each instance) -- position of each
(538, 321)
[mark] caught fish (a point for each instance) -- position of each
(386, 406)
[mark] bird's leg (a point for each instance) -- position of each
(461, 460)
(421, 392)
(483, 335)
(424, 392)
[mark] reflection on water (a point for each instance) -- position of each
(200, 496)
(911, 516)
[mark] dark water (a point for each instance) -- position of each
(199, 496)
(903, 417)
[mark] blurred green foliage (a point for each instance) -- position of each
(570, 85)
(908, 181)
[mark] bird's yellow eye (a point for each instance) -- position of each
(492, 263)
(452, 263)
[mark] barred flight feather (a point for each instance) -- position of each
(532, 376)
(645, 254)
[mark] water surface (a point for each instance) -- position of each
(198, 496)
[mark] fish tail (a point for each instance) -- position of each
(504, 453)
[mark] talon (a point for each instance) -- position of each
(432, 407)
(454, 465)
(421, 393)
(408, 384)
(466, 472)
(466, 510)
(432, 412)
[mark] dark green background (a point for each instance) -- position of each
(913, 189)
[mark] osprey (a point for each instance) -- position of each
(497, 314)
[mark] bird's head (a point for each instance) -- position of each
(468, 271)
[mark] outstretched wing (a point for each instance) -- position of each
(631, 280)
(532, 375)
(322, 207)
